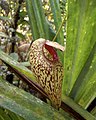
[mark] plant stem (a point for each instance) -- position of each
(59, 29)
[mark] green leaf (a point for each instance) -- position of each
(86, 79)
(8, 115)
(32, 19)
(9, 60)
(84, 113)
(26, 105)
(3, 115)
(80, 51)
(55, 6)
(40, 27)
(93, 112)
(37, 19)
(40, 18)
(21, 69)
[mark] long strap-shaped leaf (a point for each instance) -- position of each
(32, 19)
(81, 81)
(8, 115)
(27, 106)
(55, 6)
(81, 38)
(38, 23)
(36, 87)
(68, 105)
(27, 80)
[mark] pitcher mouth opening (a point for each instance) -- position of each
(53, 57)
